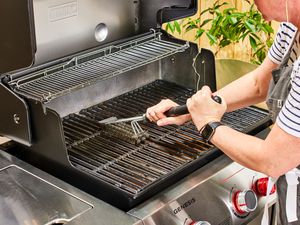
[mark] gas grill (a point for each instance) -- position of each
(54, 107)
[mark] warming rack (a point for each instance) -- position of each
(90, 68)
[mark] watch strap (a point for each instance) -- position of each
(209, 130)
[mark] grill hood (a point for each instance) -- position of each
(42, 31)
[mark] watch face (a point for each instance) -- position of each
(207, 132)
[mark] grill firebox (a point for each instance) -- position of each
(170, 150)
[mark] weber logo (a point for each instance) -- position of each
(184, 205)
(63, 11)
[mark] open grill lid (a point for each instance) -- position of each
(17, 39)
(37, 24)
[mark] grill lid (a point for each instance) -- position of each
(17, 40)
(26, 39)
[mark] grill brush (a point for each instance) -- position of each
(133, 132)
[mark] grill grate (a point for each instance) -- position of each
(90, 68)
(134, 168)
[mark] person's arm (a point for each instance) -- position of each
(274, 156)
(250, 89)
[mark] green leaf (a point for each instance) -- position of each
(252, 43)
(190, 23)
(259, 50)
(244, 34)
(254, 35)
(238, 14)
(204, 11)
(229, 10)
(233, 20)
(268, 28)
(269, 42)
(170, 27)
(225, 32)
(212, 38)
(225, 42)
(250, 26)
(217, 5)
(191, 27)
(205, 22)
(199, 33)
(177, 26)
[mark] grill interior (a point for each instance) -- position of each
(131, 168)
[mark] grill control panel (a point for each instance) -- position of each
(226, 198)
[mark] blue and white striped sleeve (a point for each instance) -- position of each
(289, 116)
(282, 42)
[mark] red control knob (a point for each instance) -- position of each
(244, 201)
(261, 185)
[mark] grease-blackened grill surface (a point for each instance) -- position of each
(170, 153)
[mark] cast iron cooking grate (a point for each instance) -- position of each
(133, 168)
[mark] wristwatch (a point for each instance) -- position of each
(208, 130)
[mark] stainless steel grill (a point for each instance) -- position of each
(133, 168)
(95, 66)
(72, 80)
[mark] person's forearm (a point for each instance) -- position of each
(250, 89)
(244, 149)
(242, 92)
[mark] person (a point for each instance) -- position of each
(279, 154)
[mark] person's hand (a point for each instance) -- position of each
(156, 114)
(203, 109)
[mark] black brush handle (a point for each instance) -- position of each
(217, 99)
(182, 109)
(177, 111)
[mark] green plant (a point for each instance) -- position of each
(226, 25)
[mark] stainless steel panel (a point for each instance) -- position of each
(204, 195)
(35, 200)
(64, 27)
(30, 196)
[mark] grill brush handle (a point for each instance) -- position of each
(177, 111)
(182, 109)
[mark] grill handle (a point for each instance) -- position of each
(182, 109)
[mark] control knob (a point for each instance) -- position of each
(200, 223)
(244, 201)
(260, 186)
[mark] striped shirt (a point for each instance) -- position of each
(289, 116)
(282, 43)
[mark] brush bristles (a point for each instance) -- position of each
(125, 132)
